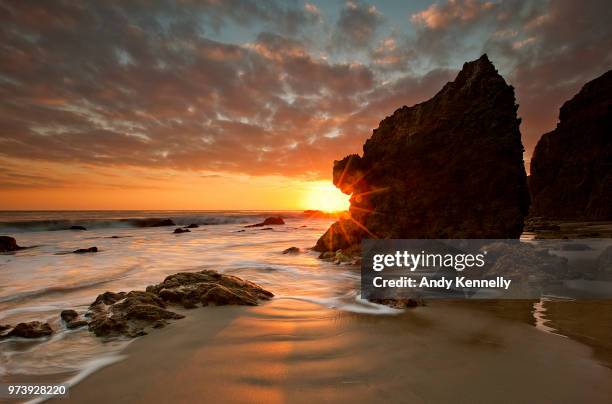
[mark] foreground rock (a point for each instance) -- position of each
(77, 228)
(571, 168)
(291, 250)
(129, 314)
(86, 250)
(274, 220)
(450, 167)
(33, 329)
(114, 314)
(192, 226)
(8, 244)
(179, 231)
(209, 287)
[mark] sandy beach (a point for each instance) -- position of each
(290, 351)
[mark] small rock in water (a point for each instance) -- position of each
(8, 244)
(70, 317)
(398, 303)
(33, 329)
(179, 231)
(292, 250)
(192, 226)
(77, 228)
(153, 222)
(267, 228)
(273, 220)
(86, 250)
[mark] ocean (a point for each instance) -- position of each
(39, 282)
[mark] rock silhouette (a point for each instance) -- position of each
(86, 250)
(571, 168)
(8, 244)
(450, 167)
(273, 220)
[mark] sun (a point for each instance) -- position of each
(324, 196)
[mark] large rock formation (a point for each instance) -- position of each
(571, 168)
(450, 167)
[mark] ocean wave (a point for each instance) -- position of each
(138, 222)
(63, 289)
(354, 305)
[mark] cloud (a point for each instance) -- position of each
(454, 11)
(357, 25)
(120, 85)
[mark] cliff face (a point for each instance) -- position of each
(450, 167)
(571, 168)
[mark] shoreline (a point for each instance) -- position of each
(293, 351)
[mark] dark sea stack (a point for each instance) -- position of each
(450, 167)
(571, 168)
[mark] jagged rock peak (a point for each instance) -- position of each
(450, 167)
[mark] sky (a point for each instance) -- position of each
(242, 104)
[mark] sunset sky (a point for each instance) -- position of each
(236, 104)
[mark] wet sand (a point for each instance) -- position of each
(290, 351)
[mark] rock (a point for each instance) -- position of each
(450, 167)
(539, 224)
(192, 226)
(292, 250)
(69, 315)
(179, 231)
(274, 220)
(267, 228)
(77, 324)
(77, 228)
(525, 263)
(8, 244)
(571, 167)
(325, 255)
(114, 314)
(398, 303)
(4, 329)
(208, 287)
(33, 329)
(317, 214)
(129, 314)
(86, 250)
(152, 222)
